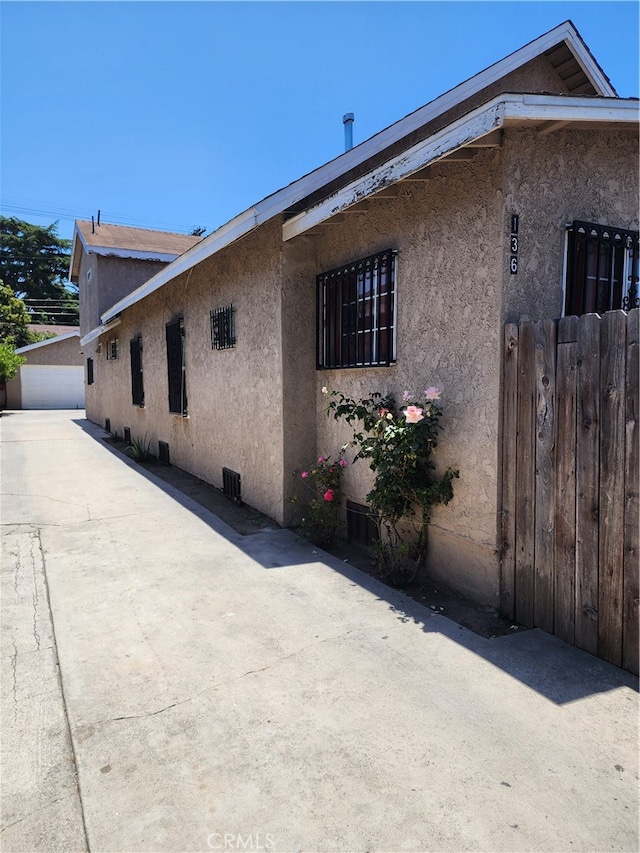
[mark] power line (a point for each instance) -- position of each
(71, 216)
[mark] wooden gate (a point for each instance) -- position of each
(570, 458)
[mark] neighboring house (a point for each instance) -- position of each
(52, 376)
(109, 261)
(392, 267)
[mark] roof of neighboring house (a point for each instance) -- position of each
(121, 241)
(395, 154)
(75, 333)
(44, 328)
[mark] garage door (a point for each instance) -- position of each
(48, 386)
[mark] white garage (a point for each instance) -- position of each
(52, 376)
(52, 386)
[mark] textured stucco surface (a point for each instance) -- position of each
(550, 180)
(111, 279)
(258, 408)
(234, 396)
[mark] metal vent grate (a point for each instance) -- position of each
(107, 424)
(231, 485)
(163, 452)
(361, 526)
(127, 435)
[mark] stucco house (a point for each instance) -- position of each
(52, 376)
(392, 267)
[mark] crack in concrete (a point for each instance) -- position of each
(35, 811)
(34, 596)
(218, 685)
(14, 670)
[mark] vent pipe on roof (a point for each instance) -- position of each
(347, 120)
(93, 226)
(98, 219)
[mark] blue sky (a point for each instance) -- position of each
(172, 115)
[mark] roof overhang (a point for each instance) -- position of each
(468, 131)
(49, 341)
(284, 199)
(99, 330)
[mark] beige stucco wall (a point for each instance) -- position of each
(234, 396)
(258, 408)
(111, 279)
(447, 232)
(56, 352)
(550, 180)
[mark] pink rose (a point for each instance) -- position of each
(304, 475)
(321, 459)
(406, 396)
(413, 414)
(343, 463)
(432, 393)
(328, 495)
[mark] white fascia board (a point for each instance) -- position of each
(137, 254)
(586, 61)
(99, 330)
(65, 337)
(558, 108)
(462, 132)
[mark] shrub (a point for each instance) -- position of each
(319, 522)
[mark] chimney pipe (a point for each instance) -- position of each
(347, 120)
(98, 219)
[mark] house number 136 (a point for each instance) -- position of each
(513, 245)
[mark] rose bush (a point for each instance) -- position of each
(319, 522)
(398, 442)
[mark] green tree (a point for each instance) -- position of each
(14, 318)
(10, 361)
(34, 263)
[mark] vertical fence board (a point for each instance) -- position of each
(525, 462)
(587, 482)
(630, 638)
(565, 481)
(508, 507)
(612, 459)
(545, 369)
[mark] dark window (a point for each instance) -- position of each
(112, 349)
(175, 367)
(356, 313)
(602, 269)
(137, 387)
(89, 371)
(223, 328)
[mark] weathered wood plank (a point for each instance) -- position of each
(545, 369)
(587, 483)
(612, 461)
(525, 486)
(630, 638)
(508, 499)
(565, 480)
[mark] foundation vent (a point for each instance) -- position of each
(360, 524)
(127, 436)
(231, 485)
(163, 452)
(107, 425)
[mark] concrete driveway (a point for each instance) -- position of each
(169, 685)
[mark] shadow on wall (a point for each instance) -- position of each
(551, 667)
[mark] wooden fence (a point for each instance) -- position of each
(570, 458)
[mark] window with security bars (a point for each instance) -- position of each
(112, 349)
(89, 371)
(137, 386)
(176, 367)
(356, 313)
(223, 328)
(602, 269)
